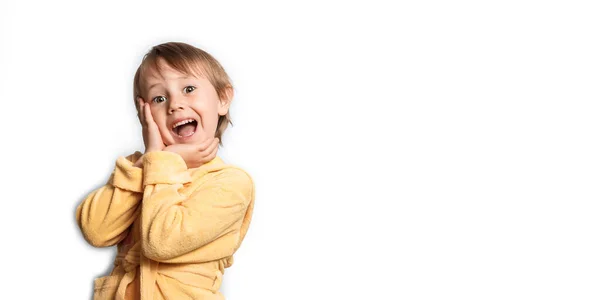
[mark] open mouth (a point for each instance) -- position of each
(185, 128)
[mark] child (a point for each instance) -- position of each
(177, 213)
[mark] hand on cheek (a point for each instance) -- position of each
(196, 155)
(152, 138)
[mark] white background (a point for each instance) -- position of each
(400, 150)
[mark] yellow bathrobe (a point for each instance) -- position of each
(176, 228)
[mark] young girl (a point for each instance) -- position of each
(177, 213)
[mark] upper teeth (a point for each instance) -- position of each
(183, 122)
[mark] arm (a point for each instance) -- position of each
(106, 213)
(173, 224)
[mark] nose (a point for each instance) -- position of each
(175, 104)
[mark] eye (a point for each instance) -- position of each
(188, 90)
(159, 97)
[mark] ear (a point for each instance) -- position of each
(225, 103)
(137, 107)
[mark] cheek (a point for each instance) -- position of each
(209, 110)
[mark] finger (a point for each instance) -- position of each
(201, 146)
(153, 130)
(207, 142)
(150, 120)
(215, 147)
(148, 115)
(212, 147)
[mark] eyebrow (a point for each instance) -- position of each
(180, 77)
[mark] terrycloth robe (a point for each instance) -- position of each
(176, 228)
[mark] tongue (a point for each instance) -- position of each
(186, 130)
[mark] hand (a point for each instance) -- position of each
(193, 155)
(196, 155)
(139, 162)
(152, 139)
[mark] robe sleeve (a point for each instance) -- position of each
(105, 214)
(174, 224)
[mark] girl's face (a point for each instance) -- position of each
(176, 97)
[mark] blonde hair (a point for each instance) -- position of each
(189, 60)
